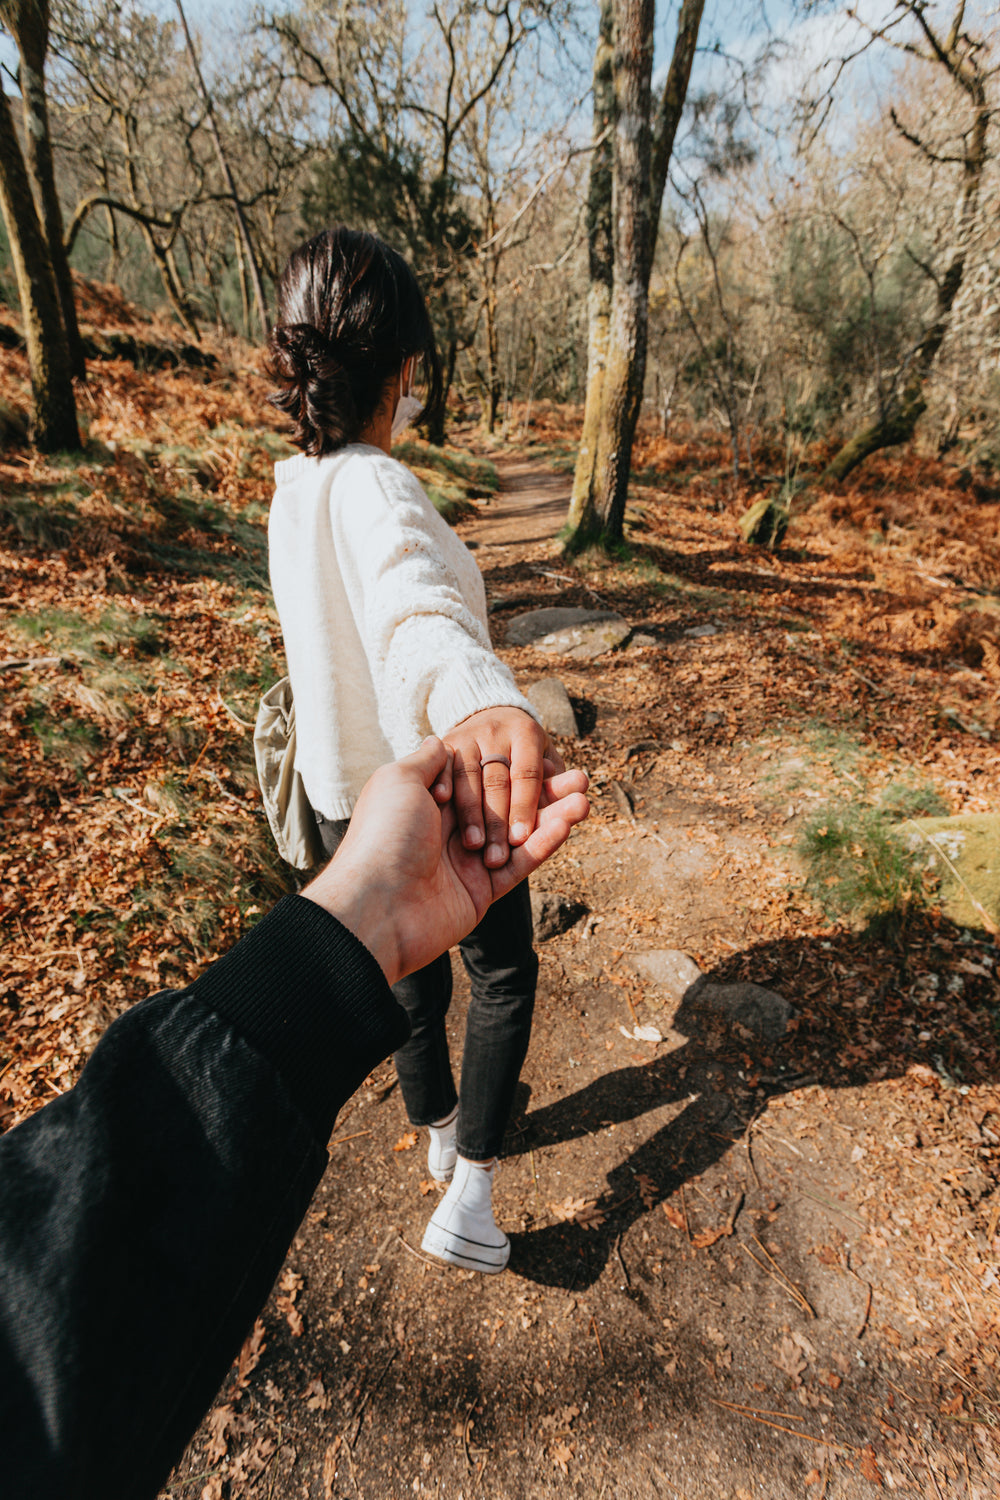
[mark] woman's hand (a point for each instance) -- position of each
(402, 880)
(496, 803)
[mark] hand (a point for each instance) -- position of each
(402, 881)
(496, 807)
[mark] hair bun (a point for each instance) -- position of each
(315, 391)
(300, 352)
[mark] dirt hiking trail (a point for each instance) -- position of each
(748, 1263)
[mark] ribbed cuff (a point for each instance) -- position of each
(307, 994)
(467, 690)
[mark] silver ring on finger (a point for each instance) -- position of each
(495, 760)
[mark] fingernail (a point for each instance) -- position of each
(519, 832)
(440, 790)
(474, 836)
(495, 852)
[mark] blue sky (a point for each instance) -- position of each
(738, 27)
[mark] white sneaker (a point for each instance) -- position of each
(462, 1229)
(442, 1150)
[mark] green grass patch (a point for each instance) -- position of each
(51, 524)
(449, 503)
(858, 869)
(90, 638)
(901, 800)
(450, 468)
(62, 737)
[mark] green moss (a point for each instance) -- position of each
(476, 478)
(859, 870)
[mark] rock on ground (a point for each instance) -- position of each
(552, 914)
(582, 634)
(550, 698)
(965, 853)
(669, 969)
(761, 1011)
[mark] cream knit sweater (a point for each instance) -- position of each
(383, 612)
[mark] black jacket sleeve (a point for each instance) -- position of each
(145, 1214)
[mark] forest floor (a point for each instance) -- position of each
(739, 1269)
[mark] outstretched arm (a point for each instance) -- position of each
(145, 1214)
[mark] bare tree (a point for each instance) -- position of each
(403, 100)
(131, 125)
(961, 58)
(621, 254)
(28, 23)
(246, 251)
(516, 168)
(54, 424)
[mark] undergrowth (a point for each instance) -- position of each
(859, 869)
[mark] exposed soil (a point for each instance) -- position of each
(740, 1267)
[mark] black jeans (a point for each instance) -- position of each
(502, 966)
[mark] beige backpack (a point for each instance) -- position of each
(285, 802)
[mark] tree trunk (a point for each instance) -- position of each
(39, 162)
(670, 109)
(600, 243)
(29, 25)
(492, 360)
(490, 271)
(171, 282)
(244, 289)
(898, 427)
(54, 424)
(603, 509)
(589, 514)
(904, 409)
(436, 418)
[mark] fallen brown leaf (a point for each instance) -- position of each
(315, 1396)
(582, 1211)
(217, 1423)
(250, 1354)
(674, 1216)
(561, 1455)
(648, 1190)
(708, 1237)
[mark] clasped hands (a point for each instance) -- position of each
(410, 878)
(500, 759)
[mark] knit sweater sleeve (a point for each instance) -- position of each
(420, 607)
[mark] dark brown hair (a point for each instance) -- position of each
(350, 312)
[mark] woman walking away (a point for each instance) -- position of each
(383, 613)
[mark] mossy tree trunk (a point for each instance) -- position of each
(601, 262)
(621, 254)
(602, 511)
(28, 22)
(53, 422)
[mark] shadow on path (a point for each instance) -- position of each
(724, 1075)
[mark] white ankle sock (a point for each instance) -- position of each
(442, 1150)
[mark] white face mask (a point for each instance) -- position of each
(408, 407)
